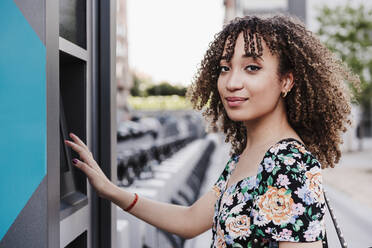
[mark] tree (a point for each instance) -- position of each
(135, 90)
(347, 31)
(165, 89)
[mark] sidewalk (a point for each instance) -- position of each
(349, 188)
(353, 175)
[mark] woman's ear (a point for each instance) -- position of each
(288, 82)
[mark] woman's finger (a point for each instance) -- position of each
(77, 148)
(78, 141)
(85, 155)
(83, 166)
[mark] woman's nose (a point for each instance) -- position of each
(235, 82)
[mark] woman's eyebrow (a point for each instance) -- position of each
(252, 57)
(225, 58)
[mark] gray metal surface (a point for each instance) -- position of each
(34, 12)
(32, 215)
(52, 85)
(104, 95)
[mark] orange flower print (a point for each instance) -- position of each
(216, 190)
(277, 147)
(299, 147)
(288, 160)
(314, 181)
(238, 226)
(275, 205)
(220, 241)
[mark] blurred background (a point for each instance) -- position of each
(115, 73)
(159, 46)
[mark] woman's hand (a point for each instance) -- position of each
(89, 166)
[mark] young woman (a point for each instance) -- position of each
(279, 95)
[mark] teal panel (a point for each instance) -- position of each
(22, 113)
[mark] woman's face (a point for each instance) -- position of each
(249, 88)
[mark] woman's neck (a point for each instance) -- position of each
(267, 130)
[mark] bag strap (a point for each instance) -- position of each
(337, 226)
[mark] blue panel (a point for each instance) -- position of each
(22, 113)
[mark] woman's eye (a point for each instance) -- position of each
(224, 68)
(252, 68)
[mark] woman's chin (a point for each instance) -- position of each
(237, 118)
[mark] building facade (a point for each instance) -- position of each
(239, 8)
(123, 76)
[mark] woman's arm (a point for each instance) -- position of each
(186, 222)
(317, 244)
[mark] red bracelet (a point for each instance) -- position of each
(133, 203)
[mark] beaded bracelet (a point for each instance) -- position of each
(133, 203)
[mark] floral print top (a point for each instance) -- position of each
(283, 202)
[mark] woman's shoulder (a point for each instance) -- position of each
(290, 153)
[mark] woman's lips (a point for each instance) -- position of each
(235, 101)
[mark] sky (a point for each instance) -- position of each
(167, 39)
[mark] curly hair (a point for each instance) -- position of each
(318, 105)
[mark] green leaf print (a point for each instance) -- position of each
(308, 159)
(295, 170)
(275, 170)
(244, 190)
(288, 191)
(294, 150)
(269, 181)
(296, 227)
(283, 225)
(309, 211)
(260, 189)
(237, 245)
(299, 223)
(249, 245)
(259, 177)
(294, 176)
(260, 232)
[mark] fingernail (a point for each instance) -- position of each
(75, 161)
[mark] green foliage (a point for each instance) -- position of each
(347, 31)
(165, 89)
(135, 90)
(143, 86)
(159, 102)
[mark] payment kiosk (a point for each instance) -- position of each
(57, 75)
